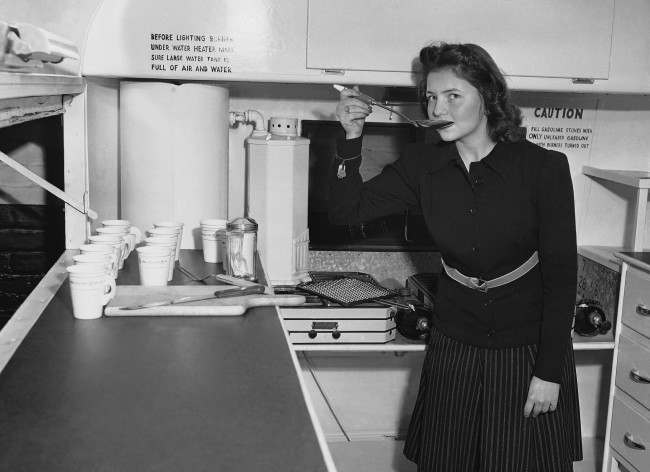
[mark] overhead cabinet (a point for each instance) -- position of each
(548, 38)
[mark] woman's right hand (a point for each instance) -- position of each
(352, 112)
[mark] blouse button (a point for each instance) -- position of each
(472, 211)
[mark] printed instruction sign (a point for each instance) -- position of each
(566, 127)
(191, 53)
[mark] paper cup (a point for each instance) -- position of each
(104, 259)
(125, 224)
(109, 249)
(179, 231)
(168, 242)
(168, 232)
(129, 238)
(153, 263)
(90, 289)
(115, 240)
(213, 237)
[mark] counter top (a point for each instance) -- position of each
(155, 393)
(640, 259)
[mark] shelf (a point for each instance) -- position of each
(402, 344)
(637, 179)
(20, 84)
(631, 178)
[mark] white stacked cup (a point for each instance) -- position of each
(103, 259)
(153, 264)
(91, 289)
(129, 238)
(168, 226)
(106, 250)
(168, 242)
(115, 240)
(132, 231)
(213, 236)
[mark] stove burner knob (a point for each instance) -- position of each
(336, 334)
(312, 334)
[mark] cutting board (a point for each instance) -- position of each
(126, 295)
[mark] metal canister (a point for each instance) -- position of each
(241, 245)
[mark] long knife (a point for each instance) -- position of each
(234, 292)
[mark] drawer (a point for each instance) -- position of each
(633, 370)
(628, 428)
(636, 301)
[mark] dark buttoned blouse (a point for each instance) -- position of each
(485, 223)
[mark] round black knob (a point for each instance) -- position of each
(312, 334)
(422, 324)
(336, 334)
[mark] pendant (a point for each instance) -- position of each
(340, 173)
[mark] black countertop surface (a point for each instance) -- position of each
(154, 393)
(640, 259)
(639, 256)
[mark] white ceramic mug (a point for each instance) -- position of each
(104, 259)
(179, 231)
(106, 249)
(114, 240)
(125, 224)
(168, 242)
(129, 238)
(153, 263)
(91, 289)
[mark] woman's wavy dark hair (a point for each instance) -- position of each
(473, 64)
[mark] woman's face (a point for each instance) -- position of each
(451, 98)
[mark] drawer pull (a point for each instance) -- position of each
(638, 378)
(631, 443)
(643, 310)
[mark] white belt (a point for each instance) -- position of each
(484, 285)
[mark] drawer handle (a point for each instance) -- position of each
(643, 310)
(638, 378)
(631, 443)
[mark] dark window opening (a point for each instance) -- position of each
(32, 221)
(381, 145)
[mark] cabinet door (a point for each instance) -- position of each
(543, 38)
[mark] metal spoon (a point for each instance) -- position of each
(435, 124)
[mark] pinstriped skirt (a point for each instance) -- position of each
(469, 412)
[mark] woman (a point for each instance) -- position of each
(498, 387)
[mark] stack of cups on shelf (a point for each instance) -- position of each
(213, 236)
(92, 277)
(100, 252)
(167, 228)
(131, 234)
(91, 288)
(117, 241)
(162, 246)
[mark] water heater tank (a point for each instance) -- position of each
(276, 197)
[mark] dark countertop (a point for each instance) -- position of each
(154, 393)
(639, 259)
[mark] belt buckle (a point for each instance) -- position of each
(480, 284)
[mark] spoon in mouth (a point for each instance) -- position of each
(435, 124)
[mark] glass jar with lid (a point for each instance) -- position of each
(241, 245)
